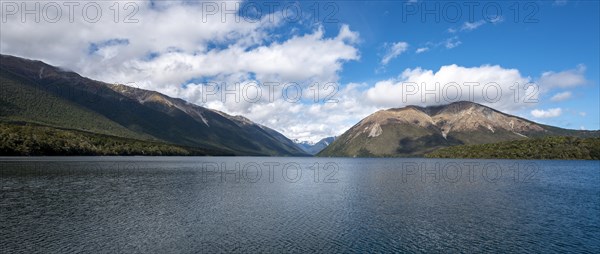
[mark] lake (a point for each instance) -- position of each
(297, 205)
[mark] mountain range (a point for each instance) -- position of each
(45, 110)
(40, 94)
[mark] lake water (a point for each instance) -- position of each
(298, 205)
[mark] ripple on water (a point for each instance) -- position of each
(164, 205)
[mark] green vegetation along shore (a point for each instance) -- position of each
(35, 140)
(558, 148)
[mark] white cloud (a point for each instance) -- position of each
(173, 44)
(393, 51)
(421, 50)
(563, 79)
(489, 85)
(452, 42)
(472, 83)
(321, 59)
(561, 96)
(470, 26)
(583, 114)
(204, 46)
(553, 112)
(158, 23)
(307, 121)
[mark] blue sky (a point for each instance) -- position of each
(555, 36)
(563, 37)
(371, 50)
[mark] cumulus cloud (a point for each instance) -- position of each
(393, 51)
(504, 89)
(313, 121)
(306, 121)
(561, 96)
(563, 79)
(174, 48)
(151, 30)
(173, 42)
(553, 112)
(321, 59)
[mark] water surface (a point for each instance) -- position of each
(298, 205)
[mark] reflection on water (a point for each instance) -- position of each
(250, 204)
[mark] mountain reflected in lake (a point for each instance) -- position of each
(300, 205)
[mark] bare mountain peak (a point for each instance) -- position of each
(443, 120)
(466, 115)
(415, 130)
(453, 107)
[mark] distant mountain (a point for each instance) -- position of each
(33, 92)
(314, 148)
(415, 131)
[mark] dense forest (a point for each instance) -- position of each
(560, 148)
(31, 140)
